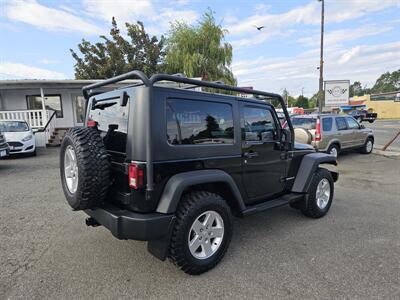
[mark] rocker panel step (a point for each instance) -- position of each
(280, 201)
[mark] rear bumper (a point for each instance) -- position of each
(125, 224)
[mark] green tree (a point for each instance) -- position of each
(387, 82)
(313, 102)
(291, 101)
(199, 51)
(356, 89)
(302, 101)
(116, 55)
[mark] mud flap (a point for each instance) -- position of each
(159, 248)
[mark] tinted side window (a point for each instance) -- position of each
(327, 124)
(259, 125)
(341, 123)
(352, 123)
(306, 123)
(199, 122)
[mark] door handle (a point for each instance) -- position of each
(250, 154)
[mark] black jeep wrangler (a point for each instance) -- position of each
(170, 165)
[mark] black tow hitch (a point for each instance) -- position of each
(92, 222)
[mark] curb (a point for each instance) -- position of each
(386, 153)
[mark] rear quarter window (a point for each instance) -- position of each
(327, 124)
(192, 122)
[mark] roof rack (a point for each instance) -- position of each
(88, 91)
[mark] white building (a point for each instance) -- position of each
(49, 106)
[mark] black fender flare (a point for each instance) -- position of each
(177, 184)
(308, 166)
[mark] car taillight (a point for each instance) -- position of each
(136, 176)
(91, 123)
(318, 135)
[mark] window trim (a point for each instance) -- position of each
(200, 101)
(47, 95)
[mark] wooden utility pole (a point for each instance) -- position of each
(321, 61)
(391, 141)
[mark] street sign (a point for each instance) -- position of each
(337, 92)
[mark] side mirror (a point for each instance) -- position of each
(362, 126)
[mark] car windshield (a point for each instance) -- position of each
(13, 126)
(306, 123)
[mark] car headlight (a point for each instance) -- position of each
(27, 138)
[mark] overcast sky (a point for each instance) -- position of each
(362, 36)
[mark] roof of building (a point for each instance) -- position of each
(66, 83)
(19, 84)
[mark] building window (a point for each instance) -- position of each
(52, 102)
(80, 109)
(199, 122)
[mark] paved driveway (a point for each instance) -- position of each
(46, 251)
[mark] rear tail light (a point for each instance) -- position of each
(91, 123)
(136, 176)
(318, 135)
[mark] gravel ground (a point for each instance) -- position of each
(46, 251)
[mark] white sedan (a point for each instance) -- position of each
(19, 136)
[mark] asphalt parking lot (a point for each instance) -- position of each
(384, 131)
(46, 251)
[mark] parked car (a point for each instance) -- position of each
(19, 136)
(333, 133)
(281, 117)
(4, 149)
(363, 115)
(171, 166)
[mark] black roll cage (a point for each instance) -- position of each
(149, 82)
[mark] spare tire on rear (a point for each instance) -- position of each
(84, 168)
(302, 135)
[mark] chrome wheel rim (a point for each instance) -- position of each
(369, 146)
(71, 169)
(323, 193)
(333, 152)
(206, 235)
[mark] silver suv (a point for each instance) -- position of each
(332, 133)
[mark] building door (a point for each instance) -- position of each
(79, 109)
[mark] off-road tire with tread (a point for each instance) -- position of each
(93, 168)
(310, 207)
(192, 205)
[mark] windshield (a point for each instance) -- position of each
(306, 123)
(13, 126)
